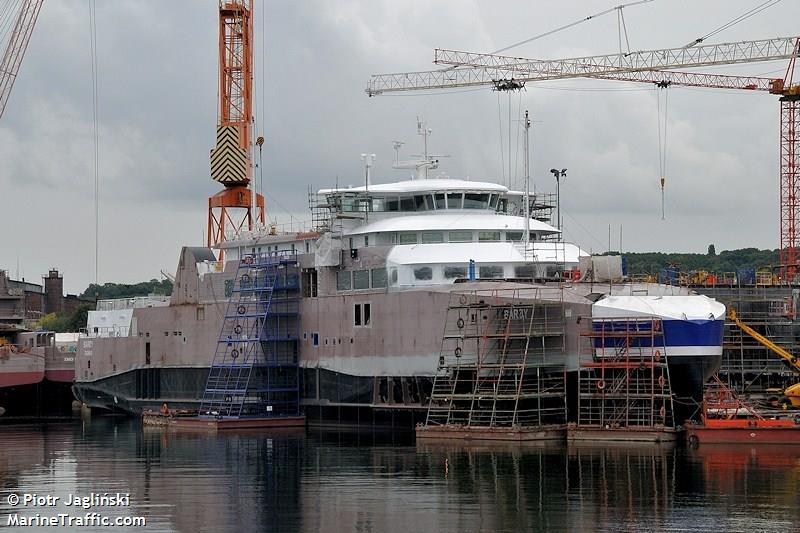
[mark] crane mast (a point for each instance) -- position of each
(15, 51)
(237, 208)
(236, 69)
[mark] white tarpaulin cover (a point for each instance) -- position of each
(327, 251)
(602, 268)
(696, 307)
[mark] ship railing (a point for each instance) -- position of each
(105, 331)
(137, 302)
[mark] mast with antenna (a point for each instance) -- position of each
(527, 186)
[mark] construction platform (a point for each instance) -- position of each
(622, 434)
(220, 424)
(441, 434)
(501, 372)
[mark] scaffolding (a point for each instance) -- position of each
(255, 371)
(624, 383)
(750, 367)
(502, 362)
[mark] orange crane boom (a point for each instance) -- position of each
(17, 44)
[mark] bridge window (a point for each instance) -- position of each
(407, 203)
(454, 200)
(393, 203)
(488, 236)
(493, 201)
(514, 235)
(440, 203)
(476, 201)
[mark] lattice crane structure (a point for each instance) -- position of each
(15, 51)
(503, 73)
(237, 207)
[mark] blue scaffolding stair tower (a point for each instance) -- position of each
(255, 371)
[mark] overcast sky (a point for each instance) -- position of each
(157, 105)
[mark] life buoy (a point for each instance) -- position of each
(458, 351)
(661, 381)
(245, 279)
(662, 412)
(601, 385)
(241, 309)
(460, 323)
(657, 355)
(165, 409)
(462, 299)
(248, 260)
(237, 329)
(234, 354)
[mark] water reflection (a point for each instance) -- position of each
(384, 482)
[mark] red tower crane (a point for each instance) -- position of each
(511, 73)
(17, 44)
(237, 207)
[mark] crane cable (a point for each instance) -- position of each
(746, 15)
(575, 23)
(662, 141)
(95, 138)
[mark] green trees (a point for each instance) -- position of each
(62, 322)
(123, 290)
(725, 261)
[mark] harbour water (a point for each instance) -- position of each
(377, 482)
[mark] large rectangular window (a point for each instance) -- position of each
(525, 271)
(343, 281)
(514, 235)
(476, 201)
(491, 271)
(392, 203)
(361, 279)
(440, 204)
(432, 237)
(386, 238)
(460, 236)
(408, 238)
(454, 200)
(453, 272)
(379, 280)
(486, 236)
(419, 203)
(423, 273)
(407, 203)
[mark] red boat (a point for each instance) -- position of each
(727, 419)
(756, 430)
